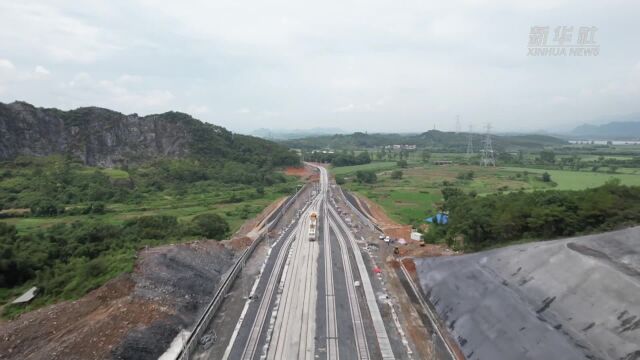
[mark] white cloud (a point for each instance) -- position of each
(354, 108)
(41, 72)
(559, 100)
(48, 32)
(129, 79)
(6, 65)
(198, 110)
(114, 94)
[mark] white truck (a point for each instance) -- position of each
(313, 226)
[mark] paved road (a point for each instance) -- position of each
(314, 299)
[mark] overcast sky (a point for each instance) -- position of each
(365, 65)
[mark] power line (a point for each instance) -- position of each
(488, 157)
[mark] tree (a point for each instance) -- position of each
(46, 207)
(368, 177)
(363, 158)
(340, 180)
(450, 192)
(546, 177)
(212, 226)
(396, 174)
(548, 156)
(402, 163)
(426, 155)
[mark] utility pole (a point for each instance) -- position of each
(470, 142)
(488, 157)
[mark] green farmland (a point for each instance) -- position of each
(417, 194)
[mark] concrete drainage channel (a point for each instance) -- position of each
(203, 322)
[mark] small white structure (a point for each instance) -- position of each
(27, 296)
(416, 236)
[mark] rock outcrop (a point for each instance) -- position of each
(99, 137)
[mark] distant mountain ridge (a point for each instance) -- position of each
(106, 138)
(434, 139)
(278, 134)
(624, 130)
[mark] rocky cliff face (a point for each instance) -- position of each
(99, 137)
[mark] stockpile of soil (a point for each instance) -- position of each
(135, 316)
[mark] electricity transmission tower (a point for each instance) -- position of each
(470, 142)
(457, 124)
(488, 157)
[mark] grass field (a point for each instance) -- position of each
(184, 208)
(374, 166)
(578, 180)
(416, 195)
(112, 173)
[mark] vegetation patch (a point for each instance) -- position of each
(67, 228)
(477, 223)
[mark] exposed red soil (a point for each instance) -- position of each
(390, 227)
(238, 243)
(304, 172)
(396, 230)
(410, 266)
(420, 249)
(415, 330)
(88, 328)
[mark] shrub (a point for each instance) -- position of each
(153, 227)
(368, 177)
(396, 174)
(212, 226)
(468, 175)
(46, 207)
